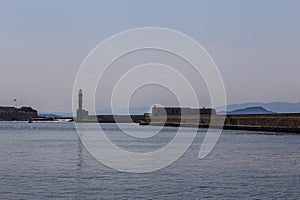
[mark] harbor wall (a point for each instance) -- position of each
(112, 119)
(289, 122)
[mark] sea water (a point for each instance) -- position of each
(47, 160)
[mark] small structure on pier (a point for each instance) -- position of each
(181, 111)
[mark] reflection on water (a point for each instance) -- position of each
(79, 166)
(47, 160)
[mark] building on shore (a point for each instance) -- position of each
(181, 111)
(17, 114)
(179, 116)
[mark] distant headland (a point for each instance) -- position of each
(26, 113)
(17, 114)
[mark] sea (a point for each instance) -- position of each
(47, 160)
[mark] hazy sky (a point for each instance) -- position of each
(255, 44)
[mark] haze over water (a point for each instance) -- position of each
(47, 160)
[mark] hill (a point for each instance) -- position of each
(278, 107)
(251, 110)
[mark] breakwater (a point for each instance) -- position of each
(289, 122)
(198, 117)
(112, 119)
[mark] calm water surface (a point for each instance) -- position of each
(47, 160)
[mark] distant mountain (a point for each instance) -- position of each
(278, 107)
(49, 115)
(251, 110)
(55, 114)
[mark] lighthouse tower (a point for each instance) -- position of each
(81, 113)
(80, 100)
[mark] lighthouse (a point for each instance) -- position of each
(81, 113)
(80, 100)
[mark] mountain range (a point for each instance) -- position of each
(278, 107)
(249, 110)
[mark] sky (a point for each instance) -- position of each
(255, 45)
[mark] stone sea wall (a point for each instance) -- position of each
(289, 123)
